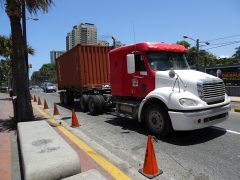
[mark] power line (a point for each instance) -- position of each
(224, 37)
(223, 45)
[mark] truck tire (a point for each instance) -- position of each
(158, 121)
(83, 102)
(71, 98)
(101, 103)
(61, 98)
(93, 105)
(66, 98)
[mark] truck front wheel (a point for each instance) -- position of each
(158, 121)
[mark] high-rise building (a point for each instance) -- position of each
(55, 54)
(81, 34)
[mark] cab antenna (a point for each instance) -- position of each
(134, 35)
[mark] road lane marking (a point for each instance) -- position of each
(109, 167)
(222, 129)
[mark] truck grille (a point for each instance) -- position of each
(214, 92)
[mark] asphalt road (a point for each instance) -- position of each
(210, 153)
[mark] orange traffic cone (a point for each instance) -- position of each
(35, 99)
(55, 110)
(31, 97)
(150, 167)
(45, 104)
(39, 101)
(74, 119)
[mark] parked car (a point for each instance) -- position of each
(49, 87)
(35, 86)
(3, 88)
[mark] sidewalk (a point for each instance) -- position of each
(234, 98)
(10, 159)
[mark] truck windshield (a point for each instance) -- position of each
(163, 61)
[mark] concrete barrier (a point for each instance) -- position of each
(87, 175)
(45, 154)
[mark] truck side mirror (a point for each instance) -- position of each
(130, 64)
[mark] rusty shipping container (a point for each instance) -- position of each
(84, 66)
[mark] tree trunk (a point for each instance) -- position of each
(20, 73)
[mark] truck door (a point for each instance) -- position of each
(139, 79)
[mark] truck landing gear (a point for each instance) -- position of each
(158, 121)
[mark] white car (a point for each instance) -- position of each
(49, 87)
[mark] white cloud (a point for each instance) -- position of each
(223, 56)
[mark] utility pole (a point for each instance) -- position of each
(197, 50)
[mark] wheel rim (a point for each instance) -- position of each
(156, 120)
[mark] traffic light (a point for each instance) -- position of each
(29, 65)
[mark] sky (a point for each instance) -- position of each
(130, 21)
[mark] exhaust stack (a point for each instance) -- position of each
(114, 42)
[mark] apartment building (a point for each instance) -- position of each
(81, 34)
(55, 54)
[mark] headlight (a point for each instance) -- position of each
(187, 102)
(200, 90)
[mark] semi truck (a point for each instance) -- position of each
(148, 81)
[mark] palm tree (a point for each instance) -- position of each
(6, 49)
(19, 68)
(5, 46)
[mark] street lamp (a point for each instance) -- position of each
(35, 19)
(197, 45)
(24, 18)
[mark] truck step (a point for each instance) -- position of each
(121, 115)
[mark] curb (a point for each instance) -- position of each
(235, 100)
(237, 109)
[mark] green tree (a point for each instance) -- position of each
(13, 8)
(49, 72)
(36, 78)
(5, 46)
(184, 43)
(191, 56)
(119, 44)
(206, 58)
(6, 49)
(236, 55)
(46, 73)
